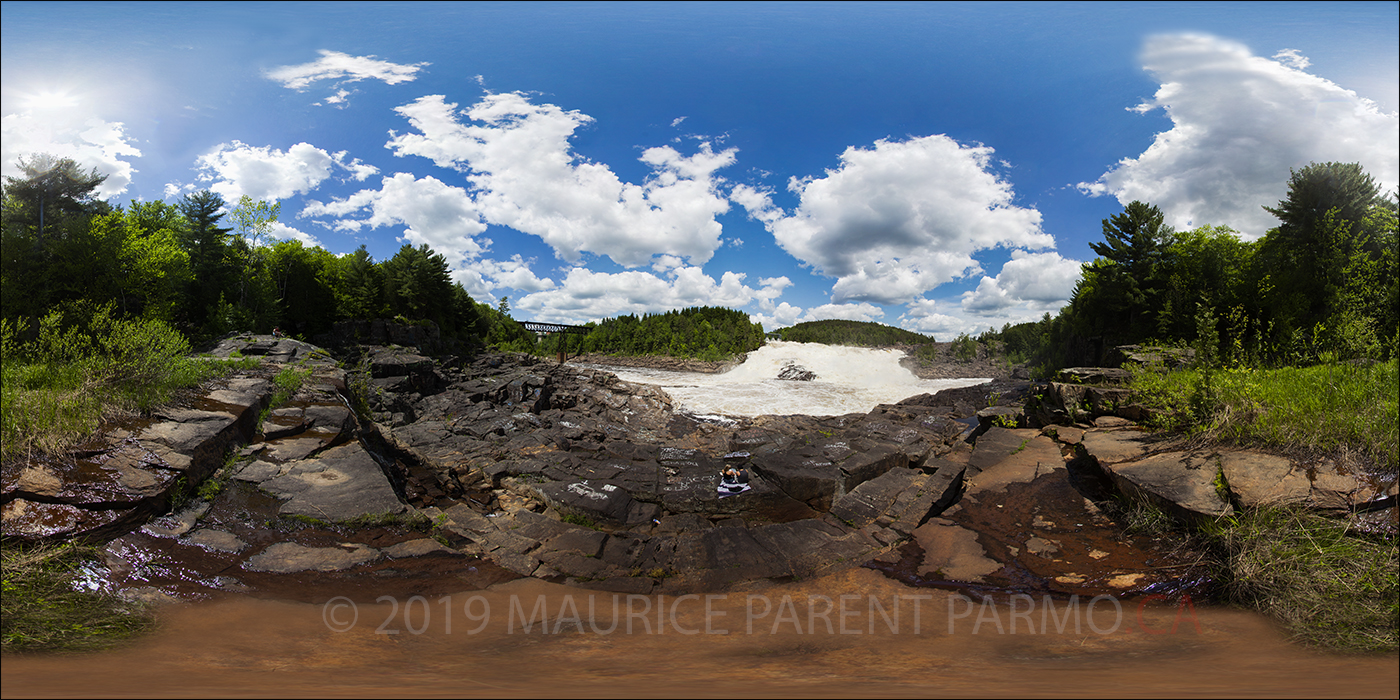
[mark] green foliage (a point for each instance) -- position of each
(44, 608)
(1207, 335)
(1121, 290)
(705, 332)
(1321, 285)
(85, 365)
(253, 219)
(1341, 406)
(580, 520)
(857, 333)
(964, 348)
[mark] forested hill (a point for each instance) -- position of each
(704, 332)
(861, 333)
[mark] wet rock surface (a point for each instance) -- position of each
(466, 472)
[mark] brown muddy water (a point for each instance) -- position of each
(856, 633)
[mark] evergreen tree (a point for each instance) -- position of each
(52, 202)
(212, 262)
(1135, 243)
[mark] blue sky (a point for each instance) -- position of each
(939, 167)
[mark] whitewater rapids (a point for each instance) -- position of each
(849, 380)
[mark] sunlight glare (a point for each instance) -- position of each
(50, 100)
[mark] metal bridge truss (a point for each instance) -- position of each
(543, 329)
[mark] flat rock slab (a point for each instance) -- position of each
(1066, 434)
(33, 520)
(1182, 482)
(416, 548)
(289, 557)
(871, 499)
(1114, 446)
(179, 523)
(994, 445)
(217, 540)
(186, 431)
(599, 501)
(294, 448)
(341, 484)
(1012, 456)
(258, 471)
(951, 552)
(1263, 479)
(243, 391)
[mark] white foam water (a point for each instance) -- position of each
(849, 380)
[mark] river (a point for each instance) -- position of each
(853, 633)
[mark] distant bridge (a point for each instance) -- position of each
(552, 328)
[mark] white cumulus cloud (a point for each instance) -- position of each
(922, 316)
(66, 131)
(1240, 123)
(585, 295)
(525, 175)
(484, 278)
(343, 68)
(1040, 280)
(236, 169)
(441, 215)
(287, 233)
(900, 218)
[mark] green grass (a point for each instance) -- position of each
(288, 383)
(43, 610)
(581, 520)
(412, 520)
(1329, 586)
(1338, 407)
(86, 367)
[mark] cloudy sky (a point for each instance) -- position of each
(939, 167)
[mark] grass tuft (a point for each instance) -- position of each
(45, 610)
(1329, 586)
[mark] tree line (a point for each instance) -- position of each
(206, 268)
(1321, 286)
(202, 266)
(842, 332)
(704, 332)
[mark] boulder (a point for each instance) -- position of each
(796, 373)
(1164, 357)
(1182, 483)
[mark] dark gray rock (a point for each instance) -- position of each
(796, 373)
(341, 484)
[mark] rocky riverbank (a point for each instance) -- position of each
(461, 472)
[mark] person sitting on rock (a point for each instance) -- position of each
(733, 476)
(733, 481)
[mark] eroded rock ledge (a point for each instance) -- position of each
(571, 474)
